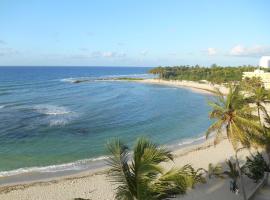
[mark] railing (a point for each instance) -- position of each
(259, 186)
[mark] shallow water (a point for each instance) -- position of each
(48, 123)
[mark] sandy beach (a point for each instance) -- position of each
(202, 87)
(95, 185)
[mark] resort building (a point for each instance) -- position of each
(265, 62)
(265, 76)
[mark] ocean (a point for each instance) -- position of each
(50, 124)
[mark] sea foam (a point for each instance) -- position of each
(54, 115)
(77, 166)
(51, 110)
(190, 140)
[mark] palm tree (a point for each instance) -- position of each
(235, 117)
(263, 139)
(139, 176)
(214, 171)
(232, 172)
(259, 96)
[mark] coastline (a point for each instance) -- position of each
(94, 184)
(204, 87)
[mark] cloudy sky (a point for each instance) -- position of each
(133, 33)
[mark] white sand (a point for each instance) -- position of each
(97, 186)
(203, 87)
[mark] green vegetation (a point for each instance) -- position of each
(140, 176)
(214, 171)
(255, 167)
(214, 74)
(128, 79)
(234, 116)
(232, 171)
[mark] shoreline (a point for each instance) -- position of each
(95, 184)
(204, 88)
(28, 176)
(177, 150)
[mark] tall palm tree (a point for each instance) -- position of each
(232, 171)
(260, 97)
(263, 139)
(235, 118)
(139, 176)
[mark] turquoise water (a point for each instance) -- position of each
(49, 123)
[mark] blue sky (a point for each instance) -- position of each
(133, 33)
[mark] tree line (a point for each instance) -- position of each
(214, 74)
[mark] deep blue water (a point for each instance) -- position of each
(45, 119)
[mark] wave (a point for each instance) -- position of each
(54, 115)
(2, 106)
(51, 110)
(107, 77)
(191, 140)
(78, 79)
(77, 166)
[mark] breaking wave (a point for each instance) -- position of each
(54, 115)
(51, 110)
(107, 77)
(77, 165)
(190, 140)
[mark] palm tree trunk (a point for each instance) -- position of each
(267, 150)
(241, 178)
(259, 115)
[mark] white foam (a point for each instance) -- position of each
(190, 140)
(58, 122)
(77, 165)
(75, 79)
(2, 106)
(85, 78)
(51, 110)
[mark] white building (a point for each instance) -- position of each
(265, 62)
(265, 76)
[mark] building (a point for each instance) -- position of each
(265, 62)
(265, 76)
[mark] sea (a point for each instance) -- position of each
(50, 125)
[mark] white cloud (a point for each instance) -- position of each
(108, 54)
(211, 51)
(257, 50)
(111, 54)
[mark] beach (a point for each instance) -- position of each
(96, 185)
(201, 87)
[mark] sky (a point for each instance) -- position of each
(133, 33)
